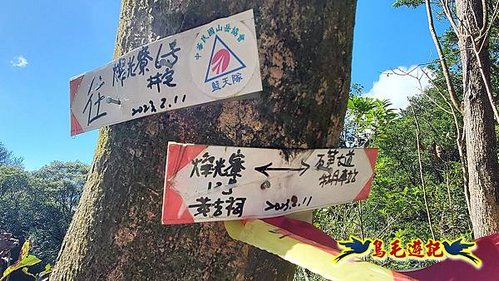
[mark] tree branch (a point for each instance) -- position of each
(486, 83)
(443, 62)
(421, 172)
(448, 14)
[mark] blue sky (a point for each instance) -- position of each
(45, 44)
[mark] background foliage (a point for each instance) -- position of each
(396, 207)
(38, 205)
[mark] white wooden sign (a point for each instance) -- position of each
(214, 183)
(216, 61)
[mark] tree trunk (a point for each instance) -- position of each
(481, 146)
(116, 234)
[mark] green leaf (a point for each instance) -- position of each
(408, 3)
(24, 250)
(25, 262)
(48, 269)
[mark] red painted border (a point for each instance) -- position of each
(372, 155)
(73, 87)
(364, 192)
(178, 157)
(75, 126)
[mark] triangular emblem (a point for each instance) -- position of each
(223, 61)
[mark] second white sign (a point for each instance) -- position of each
(213, 183)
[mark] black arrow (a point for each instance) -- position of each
(263, 169)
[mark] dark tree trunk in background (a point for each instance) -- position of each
(481, 146)
(116, 234)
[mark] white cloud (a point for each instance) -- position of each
(398, 84)
(19, 61)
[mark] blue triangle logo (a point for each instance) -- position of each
(223, 61)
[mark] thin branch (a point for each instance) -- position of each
(8, 264)
(359, 205)
(436, 103)
(484, 17)
(486, 83)
(447, 184)
(443, 62)
(420, 88)
(428, 96)
(459, 142)
(473, 13)
(459, 132)
(481, 39)
(460, 138)
(466, 23)
(388, 225)
(421, 172)
(448, 14)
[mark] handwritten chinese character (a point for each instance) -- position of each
(154, 80)
(218, 169)
(168, 77)
(331, 156)
(235, 206)
(218, 207)
(195, 168)
(346, 161)
(320, 162)
(131, 66)
(235, 166)
(352, 175)
(164, 78)
(119, 73)
(203, 208)
(143, 59)
(91, 117)
(207, 164)
(169, 59)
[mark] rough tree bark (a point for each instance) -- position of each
(116, 233)
(481, 146)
